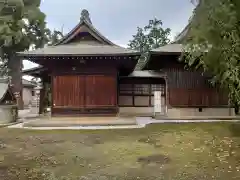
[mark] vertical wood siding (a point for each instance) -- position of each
(187, 88)
(100, 91)
(192, 88)
(84, 91)
(68, 91)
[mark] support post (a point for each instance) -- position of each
(43, 96)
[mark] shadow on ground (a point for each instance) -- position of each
(235, 129)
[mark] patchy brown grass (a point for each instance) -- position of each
(166, 151)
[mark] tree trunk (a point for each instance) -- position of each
(15, 72)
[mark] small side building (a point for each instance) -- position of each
(188, 92)
(27, 92)
(8, 107)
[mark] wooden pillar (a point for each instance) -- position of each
(117, 86)
(15, 73)
(167, 103)
(43, 96)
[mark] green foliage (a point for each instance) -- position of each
(151, 36)
(22, 25)
(213, 43)
(55, 36)
(140, 41)
(157, 36)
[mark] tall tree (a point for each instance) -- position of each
(157, 36)
(55, 36)
(151, 36)
(140, 43)
(22, 24)
(213, 43)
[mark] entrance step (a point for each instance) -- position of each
(80, 121)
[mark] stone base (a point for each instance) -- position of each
(8, 114)
(196, 112)
(136, 111)
(179, 113)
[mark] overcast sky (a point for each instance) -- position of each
(117, 19)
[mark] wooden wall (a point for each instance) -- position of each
(84, 92)
(187, 88)
(193, 89)
(68, 91)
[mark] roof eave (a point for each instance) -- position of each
(77, 55)
(164, 53)
(151, 53)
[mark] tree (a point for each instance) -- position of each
(213, 43)
(157, 36)
(22, 25)
(55, 36)
(150, 37)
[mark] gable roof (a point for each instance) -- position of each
(183, 34)
(90, 28)
(4, 87)
(27, 83)
(98, 45)
(169, 49)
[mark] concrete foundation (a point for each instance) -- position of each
(196, 112)
(179, 113)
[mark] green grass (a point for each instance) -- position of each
(166, 151)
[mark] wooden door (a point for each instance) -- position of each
(101, 91)
(68, 91)
(84, 91)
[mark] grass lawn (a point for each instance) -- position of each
(166, 151)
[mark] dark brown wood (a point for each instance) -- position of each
(193, 89)
(103, 111)
(41, 100)
(101, 91)
(84, 94)
(68, 91)
(132, 94)
(187, 87)
(43, 95)
(151, 92)
(197, 98)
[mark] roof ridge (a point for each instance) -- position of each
(91, 27)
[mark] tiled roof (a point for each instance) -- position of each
(173, 48)
(99, 46)
(80, 50)
(3, 87)
(28, 83)
(147, 74)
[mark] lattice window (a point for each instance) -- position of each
(126, 89)
(141, 89)
(158, 87)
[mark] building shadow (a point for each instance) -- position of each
(235, 129)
